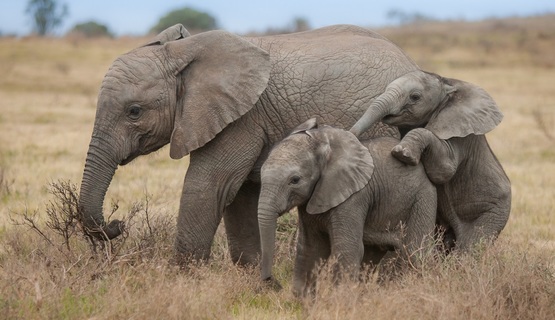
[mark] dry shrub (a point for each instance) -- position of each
(63, 230)
(60, 255)
(5, 183)
(545, 123)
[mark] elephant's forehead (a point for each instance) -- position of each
(291, 149)
(127, 80)
(419, 78)
(287, 163)
(134, 68)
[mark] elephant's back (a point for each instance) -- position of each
(391, 174)
(332, 73)
(341, 30)
(345, 39)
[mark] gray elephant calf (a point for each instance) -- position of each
(450, 119)
(355, 201)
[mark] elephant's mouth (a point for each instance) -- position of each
(140, 152)
(390, 118)
(396, 119)
(129, 158)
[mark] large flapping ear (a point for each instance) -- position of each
(172, 33)
(469, 110)
(349, 168)
(223, 77)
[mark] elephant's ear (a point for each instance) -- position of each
(172, 33)
(222, 77)
(349, 168)
(469, 110)
(309, 124)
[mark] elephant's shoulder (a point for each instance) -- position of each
(380, 146)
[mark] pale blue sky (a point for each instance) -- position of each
(135, 17)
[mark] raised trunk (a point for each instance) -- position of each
(267, 223)
(99, 170)
(382, 106)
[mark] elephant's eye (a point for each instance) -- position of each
(415, 97)
(134, 112)
(294, 180)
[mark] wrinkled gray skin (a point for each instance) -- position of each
(451, 118)
(225, 100)
(355, 201)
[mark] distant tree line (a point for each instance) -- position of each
(48, 15)
(403, 18)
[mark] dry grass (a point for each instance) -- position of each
(47, 103)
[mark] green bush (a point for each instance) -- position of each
(192, 19)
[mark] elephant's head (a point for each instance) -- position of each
(316, 167)
(176, 89)
(447, 107)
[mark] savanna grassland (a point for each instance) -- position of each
(49, 270)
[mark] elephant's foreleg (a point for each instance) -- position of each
(420, 226)
(312, 248)
(241, 225)
(198, 220)
(216, 173)
(346, 236)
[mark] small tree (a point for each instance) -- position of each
(300, 24)
(91, 29)
(46, 14)
(190, 18)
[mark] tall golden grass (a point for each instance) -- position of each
(48, 94)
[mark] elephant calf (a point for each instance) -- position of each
(445, 121)
(355, 201)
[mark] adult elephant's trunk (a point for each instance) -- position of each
(267, 224)
(385, 104)
(100, 167)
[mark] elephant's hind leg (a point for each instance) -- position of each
(241, 225)
(485, 229)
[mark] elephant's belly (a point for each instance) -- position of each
(385, 240)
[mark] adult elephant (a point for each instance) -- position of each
(225, 100)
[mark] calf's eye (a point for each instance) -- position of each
(294, 180)
(415, 97)
(134, 112)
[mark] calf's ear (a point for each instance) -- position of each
(349, 168)
(469, 110)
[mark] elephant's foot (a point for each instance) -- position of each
(187, 255)
(184, 261)
(405, 154)
(273, 284)
(245, 258)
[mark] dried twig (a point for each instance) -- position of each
(545, 124)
